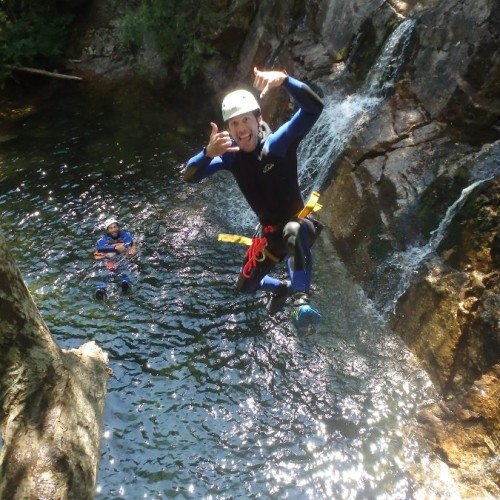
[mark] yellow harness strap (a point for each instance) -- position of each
(235, 238)
(311, 206)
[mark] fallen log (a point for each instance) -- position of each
(50, 74)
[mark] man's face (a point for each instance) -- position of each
(114, 230)
(244, 129)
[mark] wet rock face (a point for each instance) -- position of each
(387, 170)
(392, 188)
(450, 317)
(456, 68)
(465, 431)
(471, 246)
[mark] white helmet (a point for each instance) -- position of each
(237, 103)
(109, 221)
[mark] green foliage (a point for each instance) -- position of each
(34, 32)
(179, 29)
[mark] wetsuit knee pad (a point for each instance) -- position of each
(299, 237)
(299, 234)
(290, 233)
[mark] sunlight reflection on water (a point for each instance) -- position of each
(209, 397)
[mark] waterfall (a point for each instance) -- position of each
(438, 234)
(395, 275)
(344, 114)
(398, 270)
(342, 117)
(389, 66)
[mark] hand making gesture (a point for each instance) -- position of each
(267, 80)
(219, 142)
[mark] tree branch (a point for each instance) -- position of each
(51, 74)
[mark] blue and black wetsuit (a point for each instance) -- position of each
(107, 243)
(268, 179)
(115, 263)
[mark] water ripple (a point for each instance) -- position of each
(209, 397)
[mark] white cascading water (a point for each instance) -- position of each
(341, 118)
(409, 261)
(345, 114)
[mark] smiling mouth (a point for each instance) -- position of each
(246, 138)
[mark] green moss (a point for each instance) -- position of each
(393, 23)
(343, 53)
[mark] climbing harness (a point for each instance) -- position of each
(254, 254)
(312, 205)
(258, 245)
(235, 238)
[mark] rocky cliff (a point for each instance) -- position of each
(436, 133)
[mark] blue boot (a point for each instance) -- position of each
(125, 284)
(304, 316)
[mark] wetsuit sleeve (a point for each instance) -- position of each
(103, 246)
(127, 239)
(310, 108)
(201, 166)
(304, 96)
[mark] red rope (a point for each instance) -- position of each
(269, 229)
(111, 265)
(254, 254)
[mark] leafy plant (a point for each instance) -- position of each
(34, 32)
(178, 29)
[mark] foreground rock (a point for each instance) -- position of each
(52, 401)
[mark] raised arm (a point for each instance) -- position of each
(303, 95)
(307, 100)
(310, 107)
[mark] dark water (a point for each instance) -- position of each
(209, 397)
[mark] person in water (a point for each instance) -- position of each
(264, 164)
(114, 248)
